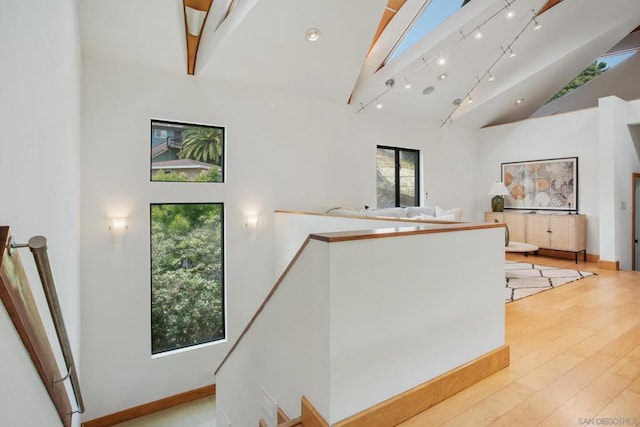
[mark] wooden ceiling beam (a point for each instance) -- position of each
(548, 5)
(193, 37)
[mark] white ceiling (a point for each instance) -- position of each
(263, 43)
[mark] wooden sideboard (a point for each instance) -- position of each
(560, 232)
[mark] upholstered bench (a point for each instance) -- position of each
(521, 247)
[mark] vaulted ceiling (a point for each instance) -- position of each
(262, 43)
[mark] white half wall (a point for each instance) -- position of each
(292, 229)
(39, 160)
(356, 322)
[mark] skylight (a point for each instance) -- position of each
(616, 58)
(435, 13)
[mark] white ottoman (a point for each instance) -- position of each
(521, 247)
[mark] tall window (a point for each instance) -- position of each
(398, 172)
(187, 280)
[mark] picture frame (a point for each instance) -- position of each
(549, 184)
(186, 152)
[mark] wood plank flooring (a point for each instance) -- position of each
(575, 358)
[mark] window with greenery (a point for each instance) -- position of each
(398, 173)
(186, 152)
(187, 275)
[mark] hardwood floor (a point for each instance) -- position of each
(575, 359)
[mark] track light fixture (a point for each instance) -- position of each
(536, 24)
(441, 60)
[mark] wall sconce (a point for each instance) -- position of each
(251, 220)
(498, 191)
(118, 227)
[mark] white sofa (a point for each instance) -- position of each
(415, 212)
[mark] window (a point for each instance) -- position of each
(398, 172)
(188, 152)
(430, 17)
(187, 275)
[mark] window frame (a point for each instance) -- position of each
(223, 287)
(397, 168)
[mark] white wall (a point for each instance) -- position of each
(39, 160)
(286, 351)
(283, 152)
(402, 312)
(292, 229)
(627, 162)
(354, 323)
(566, 135)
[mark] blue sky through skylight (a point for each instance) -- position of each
(436, 12)
(613, 60)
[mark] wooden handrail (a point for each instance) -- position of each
(354, 235)
(264, 303)
(18, 299)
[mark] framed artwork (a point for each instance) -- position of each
(550, 184)
(183, 152)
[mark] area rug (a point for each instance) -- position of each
(524, 279)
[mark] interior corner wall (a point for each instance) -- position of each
(619, 156)
(39, 160)
(626, 162)
(283, 152)
(566, 135)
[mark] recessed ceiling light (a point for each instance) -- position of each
(478, 34)
(510, 14)
(313, 34)
(442, 76)
(427, 90)
(441, 61)
(519, 101)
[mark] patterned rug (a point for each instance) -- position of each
(524, 279)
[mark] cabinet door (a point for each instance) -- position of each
(492, 216)
(567, 232)
(515, 222)
(538, 230)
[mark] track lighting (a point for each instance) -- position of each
(536, 24)
(510, 12)
(507, 12)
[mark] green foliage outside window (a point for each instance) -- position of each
(592, 71)
(187, 306)
(211, 175)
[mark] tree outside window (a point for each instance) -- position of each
(397, 177)
(187, 280)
